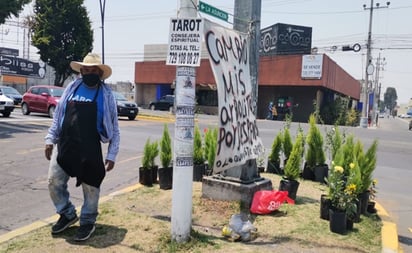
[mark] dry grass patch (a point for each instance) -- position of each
(139, 221)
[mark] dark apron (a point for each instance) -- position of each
(79, 149)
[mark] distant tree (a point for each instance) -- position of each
(381, 106)
(61, 30)
(389, 98)
(338, 112)
(11, 7)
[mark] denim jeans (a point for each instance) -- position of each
(60, 195)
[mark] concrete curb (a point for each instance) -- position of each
(28, 228)
(156, 118)
(389, 232)
(54, 218)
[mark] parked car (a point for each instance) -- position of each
(164, 103)
(125, 107)
(405, 116)
(11, 93)
(6, 105)
(42, 99)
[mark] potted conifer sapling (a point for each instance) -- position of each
(146, 171)
(198, 156)
(315, 167)
(273, 165)
(367, 165)
(166, 171)
(287, 145)
(210, 148)
(291, 171)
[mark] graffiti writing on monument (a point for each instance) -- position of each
(238, 136)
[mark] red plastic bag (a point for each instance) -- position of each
(265, 201)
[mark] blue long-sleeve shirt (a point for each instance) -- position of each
(111, 131)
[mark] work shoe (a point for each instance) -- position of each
(84, 232)
(63, 223)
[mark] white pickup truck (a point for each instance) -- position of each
(6, 105)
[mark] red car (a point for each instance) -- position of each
(41, 98)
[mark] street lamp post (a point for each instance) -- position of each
(380, 62)
(102, 8)
(369, 66)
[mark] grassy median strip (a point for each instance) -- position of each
(139, 221)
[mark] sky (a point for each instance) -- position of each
(130, 24)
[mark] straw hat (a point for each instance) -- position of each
(92, 59)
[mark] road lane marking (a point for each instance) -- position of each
(130, 159)
(24, 152)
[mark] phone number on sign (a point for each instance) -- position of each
(184, 58)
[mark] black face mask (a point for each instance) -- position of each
(91, 79)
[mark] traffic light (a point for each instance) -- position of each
(356, 48)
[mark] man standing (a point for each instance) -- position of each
(274, 113)
(270, 108)
(85, 116)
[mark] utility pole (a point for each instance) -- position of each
(376, 89)
(102, 9)
(183, 148)
(247, 20)
(369, 65)
(25, 27)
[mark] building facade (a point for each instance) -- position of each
(280, 80)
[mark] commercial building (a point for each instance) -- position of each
(280, 81)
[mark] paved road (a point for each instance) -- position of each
(23, 168)
(394, 172)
